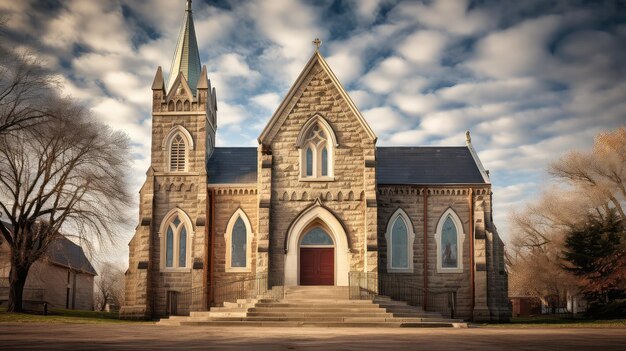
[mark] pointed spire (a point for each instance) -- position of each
(187, 56)
(157, 83)
(203, 81)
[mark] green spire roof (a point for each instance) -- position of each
(186, 57)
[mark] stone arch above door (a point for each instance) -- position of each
(299, 227)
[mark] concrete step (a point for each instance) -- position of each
(282, 324)
(319, 314)
(316, 306)
(318, 292)
(319, 303)
(305, 309)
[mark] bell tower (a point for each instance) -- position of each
(167, 251)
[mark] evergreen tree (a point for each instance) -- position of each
(596, 254)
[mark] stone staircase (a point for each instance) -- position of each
(315, 306)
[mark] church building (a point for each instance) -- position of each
(316, 203)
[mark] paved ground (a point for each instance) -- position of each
(150, 337)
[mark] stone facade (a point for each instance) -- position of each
(279, 201)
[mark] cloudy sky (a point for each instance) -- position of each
(530, 79)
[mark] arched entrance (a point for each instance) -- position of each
(317, 216)
(317, 258)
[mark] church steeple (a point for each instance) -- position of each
(186, 57)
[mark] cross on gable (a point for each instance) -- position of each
(317, 42)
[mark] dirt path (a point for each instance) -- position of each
(150, 337)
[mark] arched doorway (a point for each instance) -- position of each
(316, 216)
(317, 258)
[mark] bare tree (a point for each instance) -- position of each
(600, 173)
(67, 175)
(594, 185)
(26, 89)
(109, 287)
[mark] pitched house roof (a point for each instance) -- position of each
(426, 165)
(232, 165)
(63, 252)
(394, 165)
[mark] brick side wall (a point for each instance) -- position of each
(228, 201)
(411, 200)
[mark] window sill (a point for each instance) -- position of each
(449, 270)
(238, 270)
(175, 270)
(317, 179)
(399, 270)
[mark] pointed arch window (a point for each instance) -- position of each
(317, 143)
(178, 145)
(400, 238)
(177, 154)
(449, 239)
(238, 243)
(175, 253)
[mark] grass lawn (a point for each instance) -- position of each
(558, 322)
(62, 316)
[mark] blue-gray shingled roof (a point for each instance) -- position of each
(394, 165)
(426, 165)
(232, 165)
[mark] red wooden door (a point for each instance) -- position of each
(317, 266)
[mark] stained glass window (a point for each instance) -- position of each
(238, 244)
(324, 162)
(309, 162)
(182, 248)
(448, 247)
(399, 244)
(169, 248)
(316, 236)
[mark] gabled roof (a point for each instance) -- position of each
(63, 252)
(187, 56)
(421, 165)
(232, 165)
(267, 135)
(427, 165)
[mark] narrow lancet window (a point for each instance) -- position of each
(239, 244)
(177, 154)
(399, 244)
(449, 244)
(169, 248)
(182, 248)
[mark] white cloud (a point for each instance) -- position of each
(408, 137)
(415, 104)
(230, 114)
(383, 119)
(268, 101)
(346, 67)
(515, 51)
(453, 16)
(128, 86)
(383, 78)
(423, 47)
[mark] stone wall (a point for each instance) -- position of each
(147, 284)
(345, 196)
